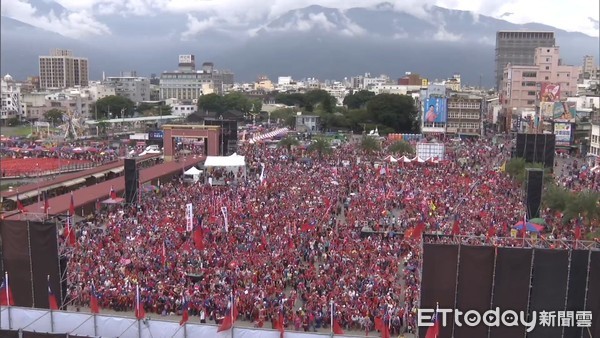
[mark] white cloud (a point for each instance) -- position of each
(571, 16)
(74, 24)
(195, 26)
(443, 35)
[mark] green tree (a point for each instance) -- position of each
(401, 148)
(370, 145)
(359, 120)
(237, 101)
(394, 111)
(102, 127)
(517, 169)
(291, 99)
(288, 142)
(556, 198)
(211, 103)
(54, 116)
(321, 146)
(359, 99)
(112, 107)
(584, 204)
(287, 115)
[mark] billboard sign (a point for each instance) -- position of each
(549, 92)
(156, 135)
(563, 132)
(431, 150)
(188, 58)
(435, 110)
(564, 111)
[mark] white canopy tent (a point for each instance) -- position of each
(233, 160)
(193, 173)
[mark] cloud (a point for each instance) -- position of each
(74, 24)
(443, 35)
(195, 26)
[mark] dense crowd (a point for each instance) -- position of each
(296, 238)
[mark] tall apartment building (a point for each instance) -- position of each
(465, 115)
(589, 70)
(137, 89)
(521, 84)
(62, 70)
(188, 84)
(518, 49)
(10, 104)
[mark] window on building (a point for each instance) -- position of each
(530, 102)
(547, 67)
(529, 74)
(546, 78)
(531, 93)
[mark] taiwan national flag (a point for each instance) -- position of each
(6, 296)
(434, 331)
(140, 313)
(51, 298)
(185, 316)
(230, 316)
(337, 329)
(199, 235)
(94, 300)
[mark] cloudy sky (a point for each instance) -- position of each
(85, 17)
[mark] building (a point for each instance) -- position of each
(137, 89)
(263, 83)
(465, 115)
(594, 150)
(410, 79)
(187, 83)
(589, 70)
(11, 106)
(99, 90)
(307, 123)
(39, 103)
(548, 80)
(62, 70)
(453, 83)
(518, 49)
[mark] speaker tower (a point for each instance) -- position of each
(535, 179)
(132, 181)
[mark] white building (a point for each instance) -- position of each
(137, 89)
(284, 80)
(98, 91)
(11, 106)
(595, 141)
(182, 108)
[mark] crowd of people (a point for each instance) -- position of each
(301, 236)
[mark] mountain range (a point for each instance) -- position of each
(315, 41)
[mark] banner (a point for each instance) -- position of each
(435, 110)
(563, 132)
(189, 217)
(550, 92)
(224, 212)
(565, 111)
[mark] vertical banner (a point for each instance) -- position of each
(189, 217)
(224, 212)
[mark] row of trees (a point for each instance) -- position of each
(584, 205)
(368, 144)
(362, 111)
(231, 101)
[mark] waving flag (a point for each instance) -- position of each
(230, 316)
(20, 206)
(140, 313)
(185, 316)
(434, 331)
(6, 296)
(94, 300)
(199, 235)
(46, 203)
(69, 231)
(456, 228)
(51, 297)
(113, 193)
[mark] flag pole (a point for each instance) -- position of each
(332, 318)
(6, 288)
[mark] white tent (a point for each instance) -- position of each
(234, 160)
(390, 158)
(194, 173)
(405, 159)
